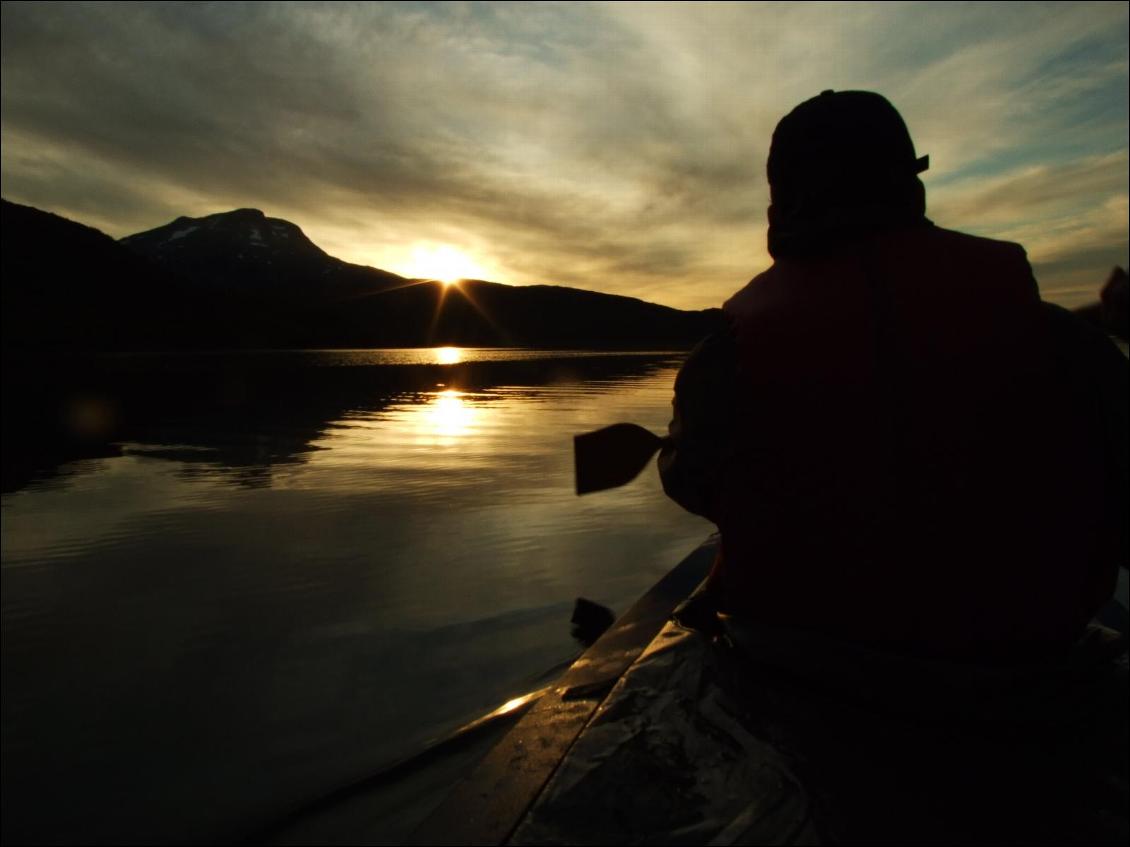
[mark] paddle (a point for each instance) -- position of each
(612, 456)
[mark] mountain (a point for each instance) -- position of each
(243, 280)
(65, 285)
(249, 256)
(245, 251)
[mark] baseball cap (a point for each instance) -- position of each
(843, 136)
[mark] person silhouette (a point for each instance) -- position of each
(901, 444)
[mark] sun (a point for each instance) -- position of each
(443, 263)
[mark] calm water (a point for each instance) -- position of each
(234, 581)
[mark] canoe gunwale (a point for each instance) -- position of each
(488, 805)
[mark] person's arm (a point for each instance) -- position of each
(701, 433)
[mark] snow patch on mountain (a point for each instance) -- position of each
(181, 233)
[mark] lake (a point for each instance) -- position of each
(235, 581)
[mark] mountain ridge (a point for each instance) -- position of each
(243, 279)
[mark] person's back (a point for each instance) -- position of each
(912, 462)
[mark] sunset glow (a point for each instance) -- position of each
(617, 147)
(443, 263)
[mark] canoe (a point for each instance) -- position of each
(387, 805)
(486, 807)
(657, 735)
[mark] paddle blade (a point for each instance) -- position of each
(613, 456)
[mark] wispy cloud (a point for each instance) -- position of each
(614, 146)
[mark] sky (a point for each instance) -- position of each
(618, 147)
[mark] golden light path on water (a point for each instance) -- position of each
(292, 583)
(404, 523)
(448, 355)
(449, 415)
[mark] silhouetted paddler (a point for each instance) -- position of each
(901, 444)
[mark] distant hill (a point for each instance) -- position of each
(240, 279)
(65, 285)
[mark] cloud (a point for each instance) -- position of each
(1070, 216)
(619, 147)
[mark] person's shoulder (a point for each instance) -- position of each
(977, 245)
(766, 291)
(741, 300)
(989, 264)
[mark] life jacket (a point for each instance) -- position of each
(914, 468)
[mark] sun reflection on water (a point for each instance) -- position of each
(449, 415)
(448, 355)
